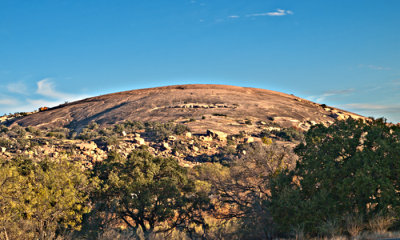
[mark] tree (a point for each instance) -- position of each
(241, 190)
(154, 193)
(349, 168)
(38, 199)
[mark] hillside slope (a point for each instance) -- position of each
(226, 108)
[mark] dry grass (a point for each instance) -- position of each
(381, 223)
(354, 225)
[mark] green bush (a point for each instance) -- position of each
(348, 168)
(161, 131)
(38, 200)
(89, 133)
(5, 142)
(33, 130)
(287, 134)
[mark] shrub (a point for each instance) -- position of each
(380, 222)
(219, 114)
(161, 131)
(5, 142)
(42, 198)
(17, 132)
(354, 224)
(266, 141)
(88, 133)
(289, 134)
(35, 131)
(3, 129)
(133, 126)
(350, 167)
(59, 135)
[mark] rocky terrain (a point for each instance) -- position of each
(232, 144)
(216, 119)
(224, 108)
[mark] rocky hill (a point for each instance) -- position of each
(219, 107)
(192, 123)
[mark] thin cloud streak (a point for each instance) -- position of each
(373, 107)
(8, 101)
(45, 95)
(323, 96)
(374, 67)
(46, 88)
(19, 88)
(277, 13)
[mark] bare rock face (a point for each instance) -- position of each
(227, 109)
(91, 146)
(165, 146)
(139, 140)
(221, 136)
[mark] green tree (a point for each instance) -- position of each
(40, 199)
(154, 193)
(349, 168)
(241, 190)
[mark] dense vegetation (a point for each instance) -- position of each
(340, 180)
(347, 175)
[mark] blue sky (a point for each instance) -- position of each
(344, 53)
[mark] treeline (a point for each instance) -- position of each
(341, 180)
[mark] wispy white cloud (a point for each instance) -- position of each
(45, 87)
(374, 67)
(277, 13)
(18, 87)
(390, 111)
(324, 95)
(8, 101)
(373, 107)
(35, 103)
(45, 95)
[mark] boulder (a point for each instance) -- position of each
(90, 146)
(194, 148)
(273, 128)
(339, 116)
(139, 140)
(188, 134)
(248, 139)
(217, 134)
(171, 138)
(165, 146)
(206, 138)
